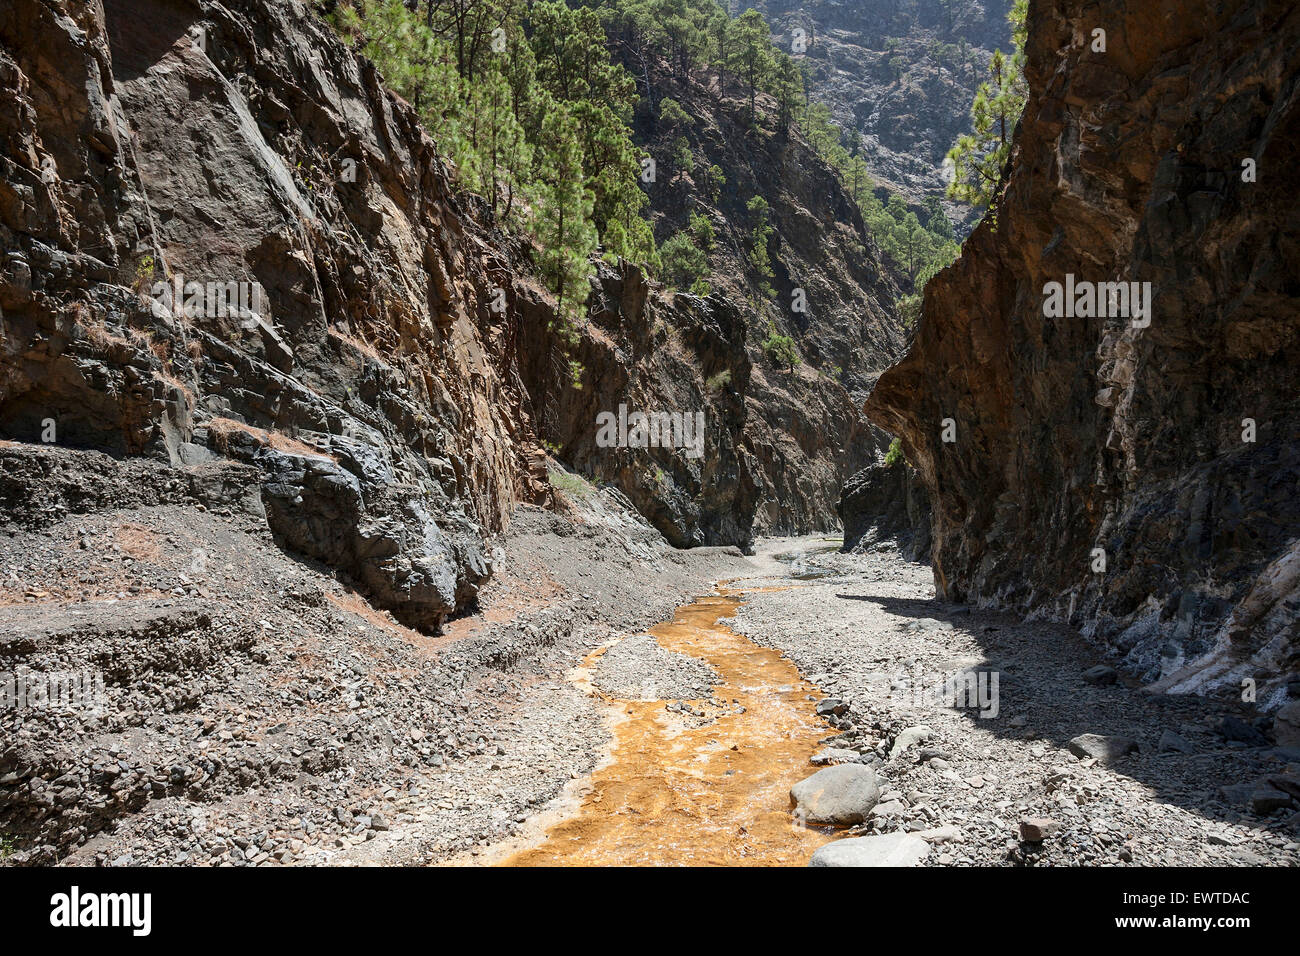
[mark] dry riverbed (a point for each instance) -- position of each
(607, 702)
(861, 640)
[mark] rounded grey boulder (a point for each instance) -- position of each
(838, 796)
(890, 849)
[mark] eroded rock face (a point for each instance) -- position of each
(1077, 436)
(900, 75)
(641, 354)
(155, 144)
(883, 502)
(355, 358)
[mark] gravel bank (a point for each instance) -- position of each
(258, 711)
(637, 668)
(868, 630)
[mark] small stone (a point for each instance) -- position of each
(1101, 675)
(828, 756)
(831, 707)
(1037, 829)
(891, 808)
(909, 737)
(944, 834)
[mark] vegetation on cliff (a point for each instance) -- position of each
(978, 159)
(534, 104)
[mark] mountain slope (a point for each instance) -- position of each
(898, 75)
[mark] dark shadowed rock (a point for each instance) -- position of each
(1102, 748)
(1171, 742)
(886, 502)
(1286, 725)
(1101, 675)
(1234, 728)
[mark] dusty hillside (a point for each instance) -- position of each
(1084, 438)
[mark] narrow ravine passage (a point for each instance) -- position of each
(679, 791)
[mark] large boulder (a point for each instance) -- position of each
(890, 849)
(837, 796)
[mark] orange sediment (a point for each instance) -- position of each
(674, 793)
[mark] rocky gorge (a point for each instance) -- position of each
(301, 455)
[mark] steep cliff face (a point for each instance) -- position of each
(355, 360)
(645, 354)
(224, 239)
(829, 292)
(1078, 438)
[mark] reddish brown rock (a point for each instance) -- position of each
(1082, 436)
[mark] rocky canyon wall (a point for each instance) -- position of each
(225, 242)
(338, 336)
(1168, 449)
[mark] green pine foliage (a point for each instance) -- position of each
(979, 157)
(563, 226)
(685, 264)
(531, 102)
(535, 115)
(761, 233)
(895, 453)
(781, 351)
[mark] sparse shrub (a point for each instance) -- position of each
(909, 310)
(570, 484)
(895, 453)
(781, 351)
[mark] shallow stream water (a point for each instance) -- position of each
(679, 791)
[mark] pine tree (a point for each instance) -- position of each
(751, 54)
(979, 157)
(759, 211)
(787, 86)
(562, 223)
